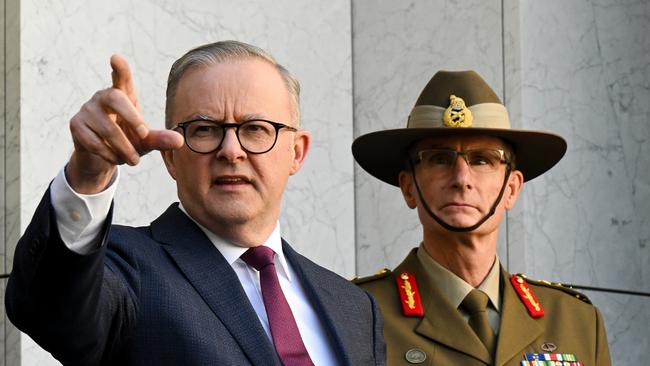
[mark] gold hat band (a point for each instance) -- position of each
(486, 115)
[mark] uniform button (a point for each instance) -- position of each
(75, 216)
(415, 355)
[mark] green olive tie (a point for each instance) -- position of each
(475, 305)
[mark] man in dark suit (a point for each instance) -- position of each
(210, 281)
(461, 166)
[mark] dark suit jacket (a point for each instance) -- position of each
(164, 295)
(574, 326)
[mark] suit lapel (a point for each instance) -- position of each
(517, 328)
(214, 279)
(442, 322)
(327, 304)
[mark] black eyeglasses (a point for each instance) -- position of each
(257, 136)
(478, 160)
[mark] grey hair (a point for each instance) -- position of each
(221, 52)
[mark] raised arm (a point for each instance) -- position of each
(69, 301)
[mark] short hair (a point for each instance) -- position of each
(221, 52)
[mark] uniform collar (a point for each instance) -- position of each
(231, 251)
(454, 288)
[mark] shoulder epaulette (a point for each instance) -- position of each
(385, 272)
(557, 286)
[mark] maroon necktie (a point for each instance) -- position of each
(284, 331)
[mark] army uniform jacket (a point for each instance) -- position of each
(442, 336)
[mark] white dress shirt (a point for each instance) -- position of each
(80, 218)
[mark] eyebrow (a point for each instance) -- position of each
(245, 117)
(250, 116)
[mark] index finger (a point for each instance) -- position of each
(122, 77)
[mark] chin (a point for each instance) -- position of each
(461, 222)
(221, 211)
(230, 214)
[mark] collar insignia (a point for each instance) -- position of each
(409, 295)
(527, 296)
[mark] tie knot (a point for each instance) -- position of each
(476, 301)
(258, 257)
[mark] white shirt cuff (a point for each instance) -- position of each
(80, 217)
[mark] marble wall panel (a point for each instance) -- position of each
(515, 230)
(627, 319)
(3, 242)
(587, 76)
(65, 52)
(11, 129)
(397, 47)
(2, 142)
(9, 166)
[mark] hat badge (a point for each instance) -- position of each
(457, 114)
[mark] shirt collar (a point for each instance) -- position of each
(454, 288)
(490, 284)
(232, 252)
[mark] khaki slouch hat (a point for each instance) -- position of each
(456, 103)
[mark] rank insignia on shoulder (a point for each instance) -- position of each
(559, 286)
(385, 272)
(409, 295)
(527, 296)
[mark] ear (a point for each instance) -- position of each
(515, 183)
(299, 150)
(168, 158)
(406, 185)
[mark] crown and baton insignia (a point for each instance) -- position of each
(457, 114)
(409, 295)
(527, 296)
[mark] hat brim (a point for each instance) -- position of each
(383, 153)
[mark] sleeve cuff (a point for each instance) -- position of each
(80, 217)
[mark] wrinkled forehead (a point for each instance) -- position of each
(461, 142)
(231, 91)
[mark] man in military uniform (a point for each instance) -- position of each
(450, 302)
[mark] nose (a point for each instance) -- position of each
(230, 149)
(461, 173)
